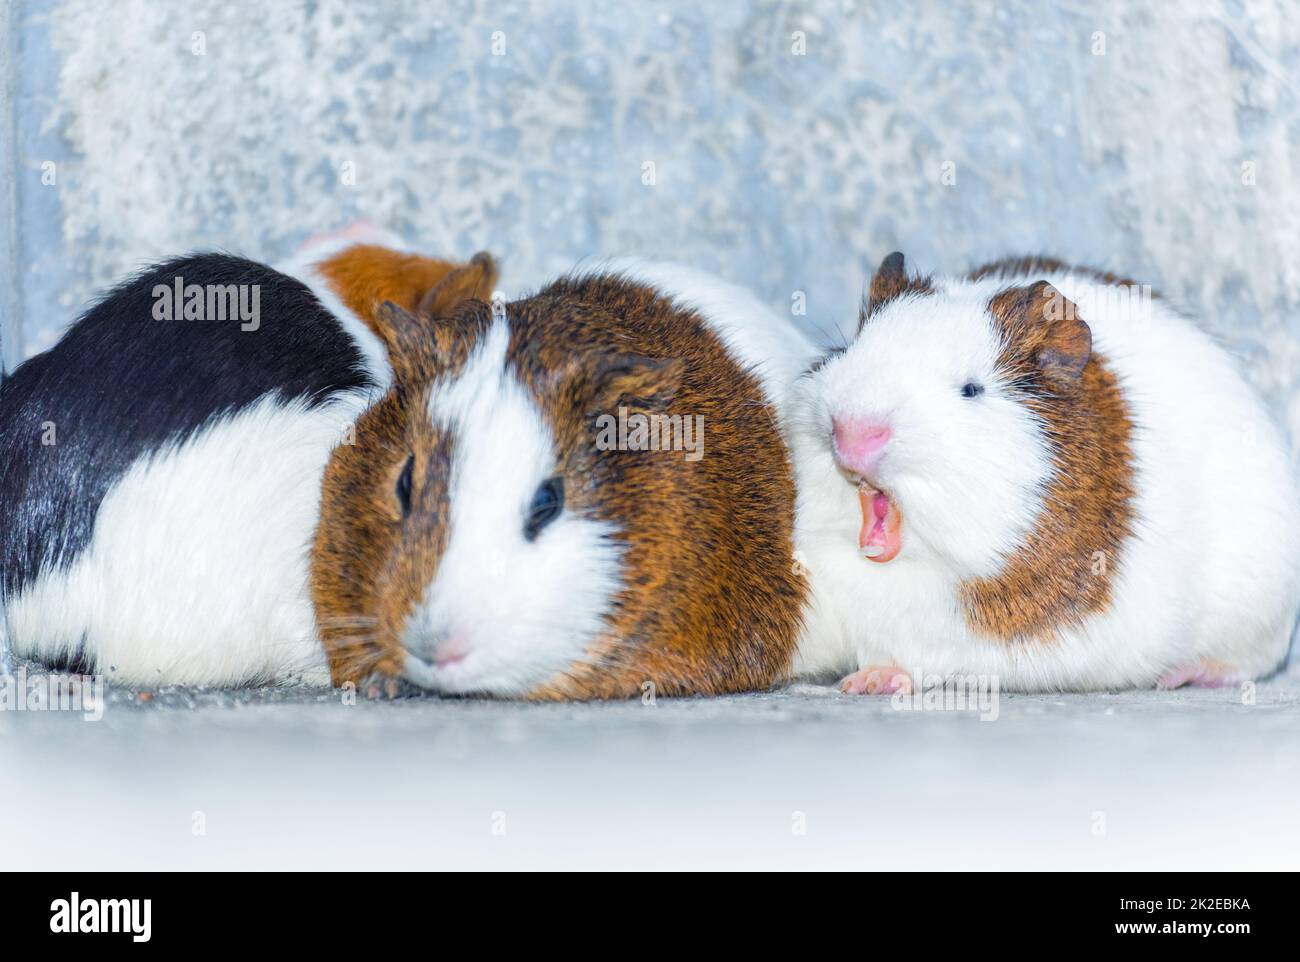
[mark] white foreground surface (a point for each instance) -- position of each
(1192, 779)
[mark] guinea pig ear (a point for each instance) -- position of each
(1048, 324)
(634, 381)
(409, 342)
(469, 282)
(889, 281)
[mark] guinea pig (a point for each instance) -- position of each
(580, 494)
(1043, 474)
(160, 466)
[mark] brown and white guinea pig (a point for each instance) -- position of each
(1042, 474)
(506, 524)
(160, 466)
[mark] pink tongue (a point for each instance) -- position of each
(882, 525)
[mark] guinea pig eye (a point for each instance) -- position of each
(404, 486)
(547, 503)
(971, 389)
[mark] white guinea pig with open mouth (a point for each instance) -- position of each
(1041, 474)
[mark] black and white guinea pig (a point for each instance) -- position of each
(160, 466)
(584, 493)
(1043, 474)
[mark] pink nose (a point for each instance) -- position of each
(452, 649)
(859, 443)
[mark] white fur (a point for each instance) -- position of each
(197, 570)
(1212, 570)
(523, 611)
(6, 659)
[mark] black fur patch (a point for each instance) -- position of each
(120, 384)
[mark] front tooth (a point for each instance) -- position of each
(872, 550)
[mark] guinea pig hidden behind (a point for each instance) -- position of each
(1044, 475)
(488, 533)
(160, 466)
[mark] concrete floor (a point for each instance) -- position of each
(802, 777)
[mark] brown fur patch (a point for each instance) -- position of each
(369, 563)
(1062, 572)
(367, 275)
(1018, 267)
(710, 602)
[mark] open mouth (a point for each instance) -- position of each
(881, 537)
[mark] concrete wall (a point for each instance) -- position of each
(10, 298)
(793, 144)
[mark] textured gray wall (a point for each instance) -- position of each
(1159, 140)
(9, 270)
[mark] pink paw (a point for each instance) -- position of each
(1205, 673)
(877, 680)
